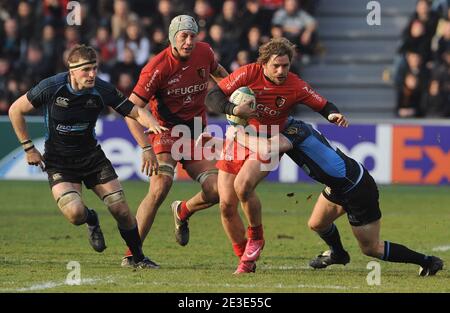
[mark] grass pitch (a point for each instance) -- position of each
(37, 244)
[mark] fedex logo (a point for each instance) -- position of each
(421, 155)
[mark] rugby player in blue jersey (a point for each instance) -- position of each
(71, 103)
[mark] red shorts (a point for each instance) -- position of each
(181, 148)
(234, 156)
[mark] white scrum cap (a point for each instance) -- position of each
(181, 22)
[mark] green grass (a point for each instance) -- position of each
(37, 243)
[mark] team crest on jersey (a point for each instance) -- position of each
(62, 102)
(91, 104)
(201, 72)
(280, 101)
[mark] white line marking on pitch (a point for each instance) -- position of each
(441, 248)
(227, 285)
(53, 284)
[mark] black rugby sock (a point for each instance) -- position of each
(91, 217)
(133, 241)
(332, 239)
(394, 252)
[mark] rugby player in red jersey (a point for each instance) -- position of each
(277, 91)
(174, 84)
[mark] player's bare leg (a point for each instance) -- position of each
(158, 189)
(231, 221)
(114, 198)
(321, 221)
(68, 198)
(245, 183)
(368, 237)
(205, 173)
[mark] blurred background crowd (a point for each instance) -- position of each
(35, 38)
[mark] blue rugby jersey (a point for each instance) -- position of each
(70, 116)
(323, 163)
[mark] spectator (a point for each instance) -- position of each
(11, 43)
(242, 58)
(127, 65)
(105, 46)
(25, 20)
(34, 67)
(158, 42)
(204, 15)
(230, 22)
(133, 39)
(298, 26)
(52, 47)
(411, 82)
(438, 104)
(224, 49)
(121, 18)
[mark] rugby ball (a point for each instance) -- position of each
(239, 96)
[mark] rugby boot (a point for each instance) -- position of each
(245, 267)
(181, 227)
(252, 250)
(435, 265)
(327, 258)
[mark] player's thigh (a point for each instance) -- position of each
(195, 168)
(324, 213)
(250, 175)
(108, 188)
(227, 195)
(64, 187)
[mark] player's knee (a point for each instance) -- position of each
(160, 186)
(316, 225)
(166, 169)
(211, 193)
(243, 190)
(114, 199)
(227, 210)
(369, 248)
(123, 216)
(72, 206)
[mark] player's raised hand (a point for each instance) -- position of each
(338, 119)
(34, 157)
(156, 129)
(245, 110)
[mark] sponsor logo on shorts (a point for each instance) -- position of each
(57, 176)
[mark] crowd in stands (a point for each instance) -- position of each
(35, 35)
(35, 38)
(422, 73)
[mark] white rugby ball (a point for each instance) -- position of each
(239, 96)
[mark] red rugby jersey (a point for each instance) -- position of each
(176, 89)
(273, 102)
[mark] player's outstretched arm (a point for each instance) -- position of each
(17, 113)
(275, 145)
(140, 117)
(333, 115)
